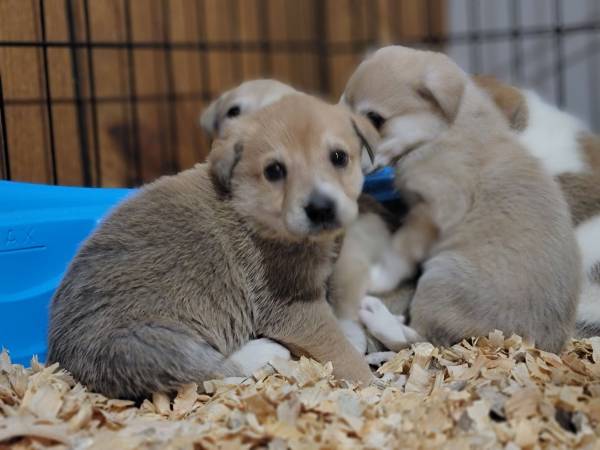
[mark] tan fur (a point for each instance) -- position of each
(582, 190)
(363, 242)
(186, 272)
(506, 257)
(248, 97)
(508, 98)
(364, 239)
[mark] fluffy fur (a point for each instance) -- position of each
(503, 254)
(180, 281)
(364, 239)
(572, 154)
(243, 99)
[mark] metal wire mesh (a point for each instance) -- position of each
(82, 144)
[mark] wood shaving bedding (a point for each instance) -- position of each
(482, 393)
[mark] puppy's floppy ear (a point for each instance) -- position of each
(367, 135)
(209, 120)
(222, 159)
(444, 85)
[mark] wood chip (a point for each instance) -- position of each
(489, 392)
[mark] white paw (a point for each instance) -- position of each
(378, 358)
(388, 150)
(376, 317)
(355, 333)
(383, 325)
(258, 353)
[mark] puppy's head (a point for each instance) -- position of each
(246, 98)
(507, 98)
(293, 167)
(409, 95)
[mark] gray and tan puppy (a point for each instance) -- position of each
(571, 153)
(364, 240)
(185, 280)
(488, 224)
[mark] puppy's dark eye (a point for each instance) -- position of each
(234, 111)
(339, 158)
(275, 172)
(375, 119)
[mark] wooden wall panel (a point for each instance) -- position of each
(125, 101)
(21, 71)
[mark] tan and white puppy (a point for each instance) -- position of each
(243, 99)
(571, 153)
(218, 269)
(488, 224)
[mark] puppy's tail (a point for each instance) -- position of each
(138, 360)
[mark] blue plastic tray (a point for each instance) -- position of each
(41, 228)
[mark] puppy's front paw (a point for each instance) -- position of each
(383, 325)
(376, 317)
(387, 151)
(355, 334)
(258, 353)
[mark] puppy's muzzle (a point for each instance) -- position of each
(321, 211)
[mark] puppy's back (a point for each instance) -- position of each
(143, 293)
(520, 242)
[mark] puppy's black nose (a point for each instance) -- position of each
(320, 210)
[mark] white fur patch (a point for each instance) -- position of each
(258, 353)
(384, 326)
(588, 238)
(389, 272)
(551, 135)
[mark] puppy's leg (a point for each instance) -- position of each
(410, 245)
(310, 328)
(349, 285)
(386, 327)
(355, 333)
(363, 244)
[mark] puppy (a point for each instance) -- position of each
(570, 152)
(489, 226)
(201, 274)
(243, 99)
(363, 241)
